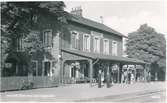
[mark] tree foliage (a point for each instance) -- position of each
(19, 18)
(148, 45)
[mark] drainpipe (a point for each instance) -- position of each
(60, 59)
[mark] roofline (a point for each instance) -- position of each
(118, 34)
(102, 30)
(135, 61)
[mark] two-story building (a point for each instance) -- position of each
(78, 51)
(89, 47)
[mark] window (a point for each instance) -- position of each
(106, 46)
(86, 42)
(19, 43)
(75, 40)
(96, 44)
(34, 66)
(47, 68)
(47, 38)
(114, 48)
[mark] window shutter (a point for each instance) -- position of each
(50, 38)
(72, 40)
(89, 43)
(81, 45)
(107, 46)
(77, 41)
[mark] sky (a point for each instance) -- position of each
(125, 16)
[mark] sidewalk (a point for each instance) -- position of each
(79, 92)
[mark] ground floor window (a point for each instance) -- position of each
(34, 67)
(47, 68)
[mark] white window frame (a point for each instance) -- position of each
(86, 45)
(46, 38)
(114, 48)
(96, 47)
(76, 40)
(106, 46)
(36, 66)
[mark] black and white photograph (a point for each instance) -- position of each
(83, 51)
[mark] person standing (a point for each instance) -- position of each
(102, 78)
(129, 77)
(126, 76)
(99, 79)
(132, 78)
(123, 77)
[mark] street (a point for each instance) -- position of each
(137, 92)
(156, 96)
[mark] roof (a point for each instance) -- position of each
(93, 24)
(104, 57)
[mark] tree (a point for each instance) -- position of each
(18, 19)
(148, 45)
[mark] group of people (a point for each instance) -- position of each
(128, 77)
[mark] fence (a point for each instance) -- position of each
(17, 83)
(29, 82)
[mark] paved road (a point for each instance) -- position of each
(84, 92)
(156, 97)
(142, 97)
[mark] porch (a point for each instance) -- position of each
(80, 67)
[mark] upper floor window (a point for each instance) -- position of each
(19, 44)
(47, 38)
(105, 46)
(114, 48)
(75, 40)
(86, 42)
(96, 44)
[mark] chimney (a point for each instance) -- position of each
(101, 19)
(77, 11)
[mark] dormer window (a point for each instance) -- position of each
(86, 42)
(75, 40)
(47, 38)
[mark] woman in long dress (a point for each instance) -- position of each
(102, 78)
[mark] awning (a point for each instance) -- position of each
(18, 57)
(104, 57)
